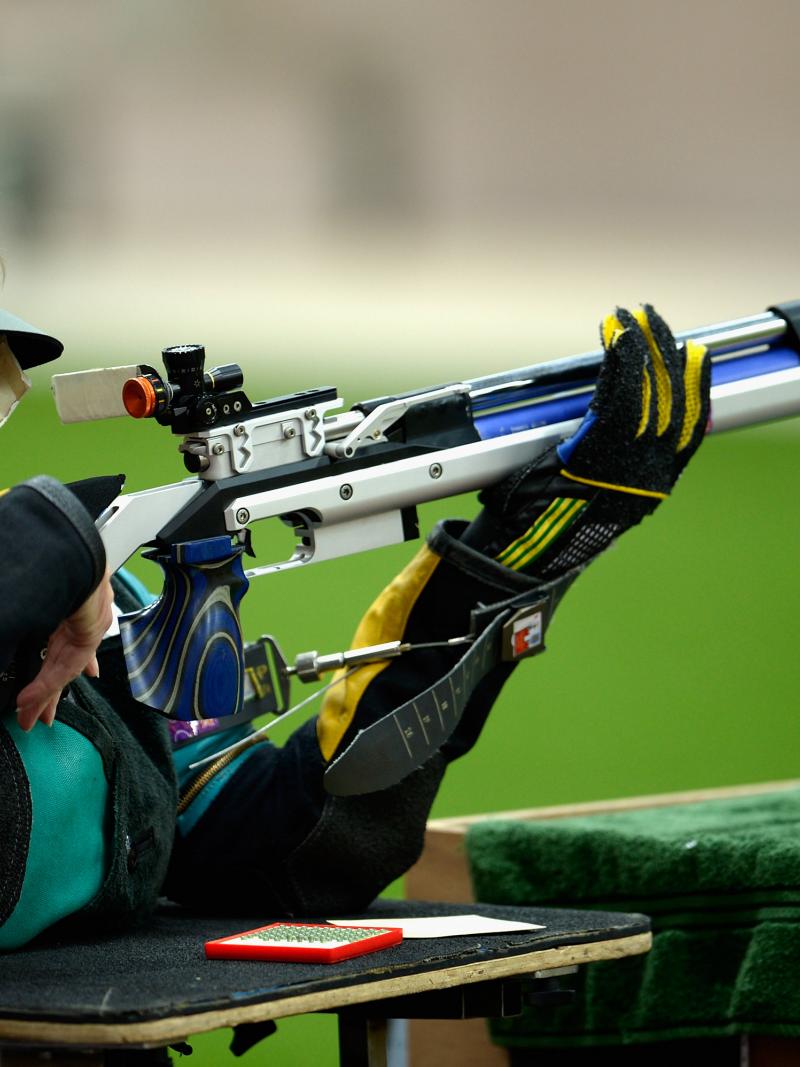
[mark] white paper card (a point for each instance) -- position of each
(86, 395)
(444, 925)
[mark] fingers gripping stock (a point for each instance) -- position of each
(185, 653)
(649, 411)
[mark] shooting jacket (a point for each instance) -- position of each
(53, 559)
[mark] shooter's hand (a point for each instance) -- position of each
(649, 410)
(70, 652)
(647, 418)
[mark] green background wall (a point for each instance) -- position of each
(672, 663)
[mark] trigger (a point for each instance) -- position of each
(245, 539)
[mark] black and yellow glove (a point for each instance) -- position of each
(537, 530)
(646, 420)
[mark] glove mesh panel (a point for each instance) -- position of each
(587, 543)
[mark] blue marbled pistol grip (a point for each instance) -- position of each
(185, 653)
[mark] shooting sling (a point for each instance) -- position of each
(448, 588)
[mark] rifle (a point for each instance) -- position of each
(345, 482)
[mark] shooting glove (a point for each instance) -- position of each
(646, 420)
(537, 530)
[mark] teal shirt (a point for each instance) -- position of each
(67, 854)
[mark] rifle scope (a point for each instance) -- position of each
(188, 393)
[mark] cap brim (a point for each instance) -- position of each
(29, 345)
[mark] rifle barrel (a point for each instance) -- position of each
(755, 378)
(722, 338)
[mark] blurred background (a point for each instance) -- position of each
(383, 196)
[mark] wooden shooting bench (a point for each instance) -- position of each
(95, 1001)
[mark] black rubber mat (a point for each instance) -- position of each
(160, 970)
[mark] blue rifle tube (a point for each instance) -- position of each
(549, 393)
